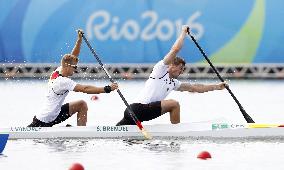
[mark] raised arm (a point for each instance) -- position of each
(77, 47)
(201, 88)
(176, 47)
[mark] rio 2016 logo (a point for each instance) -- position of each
(3, 141)
(131, 29)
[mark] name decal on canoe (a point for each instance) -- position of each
(25, 129)
(112, 129)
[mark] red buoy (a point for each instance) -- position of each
(94, 97)
(127, 76)
(204, 155)
(76, 166)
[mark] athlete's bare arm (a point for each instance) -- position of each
(201, 88)
(77, 47)
(176, 47)
(93, 89)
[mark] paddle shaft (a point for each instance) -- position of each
(245, 115)
(135, 119)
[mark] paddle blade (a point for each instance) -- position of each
(246, 116)
(146, 134)
(249, 119)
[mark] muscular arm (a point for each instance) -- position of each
(176, 47)
(201, 88)
(88, 89)
(93, 89)
(77, 47)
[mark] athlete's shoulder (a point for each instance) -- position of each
(161, 63)
(159, 70)
(56, 73)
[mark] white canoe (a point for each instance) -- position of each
(183, 130)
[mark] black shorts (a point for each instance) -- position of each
(143, 112)
(63, 115)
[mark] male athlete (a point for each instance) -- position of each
(151, 102)
(59, 85)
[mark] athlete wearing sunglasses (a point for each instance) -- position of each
(59, 86)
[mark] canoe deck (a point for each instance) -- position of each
(212, 130)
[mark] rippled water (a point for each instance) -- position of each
(20, 100)
(59, 154)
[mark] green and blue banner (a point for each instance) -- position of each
(142, 31)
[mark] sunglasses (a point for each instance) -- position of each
(73, 66)
(182, 68)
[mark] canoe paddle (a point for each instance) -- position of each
(133, 116)
(245, 115)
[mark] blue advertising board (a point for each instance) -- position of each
(142, 31)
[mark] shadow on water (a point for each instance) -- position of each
(156, 145)
(63, 144)
(83, 145)
(170, 144)
(2, 155)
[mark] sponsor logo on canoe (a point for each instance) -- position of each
(112, 129)
(25, 129)
(216, 126)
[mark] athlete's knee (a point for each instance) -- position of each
(174, 103)
(83, 105)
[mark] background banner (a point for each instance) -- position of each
(142, 31)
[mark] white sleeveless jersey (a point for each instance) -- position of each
(158, 86)
(58, 89)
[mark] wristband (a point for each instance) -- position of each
(107, 89)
